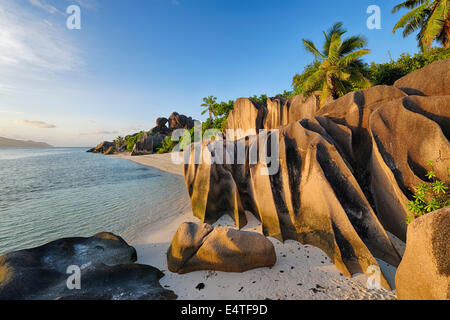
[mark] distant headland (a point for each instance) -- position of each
(11, 143)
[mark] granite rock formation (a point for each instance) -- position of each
(103, 147)
(197, 246)
(105, 259)
(143, 146)
(345, 174)
(424, 273)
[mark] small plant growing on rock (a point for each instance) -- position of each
(429, 196)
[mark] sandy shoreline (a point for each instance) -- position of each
(301, 272)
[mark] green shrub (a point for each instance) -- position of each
(429, 197)
(130, 141)
(388, 73)
(167, 145)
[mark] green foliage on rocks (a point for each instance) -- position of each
(388, 73)
(130, 141)
(429, 196)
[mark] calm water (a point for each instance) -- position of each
(47, 194)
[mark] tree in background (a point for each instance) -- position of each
(430, 17)
(338, 69)
(221, 111)
(208, 104)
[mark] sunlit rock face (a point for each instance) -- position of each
(424, 273)
(197, 246)
(432, 80)
(345, 174)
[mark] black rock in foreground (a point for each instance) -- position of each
(107, 272)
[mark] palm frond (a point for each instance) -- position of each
(352, 43)
(334, 49)
(336, 28)
(412, 15)
(311, 47)
(312, 83)
(435, 23)
(409, 4)
(351, 57)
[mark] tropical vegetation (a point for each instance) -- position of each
(337, 69)
(208, 104)
(429, 196)
(429, 18)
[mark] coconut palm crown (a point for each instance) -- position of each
(209, 104)
(431, 18)
(338, 68)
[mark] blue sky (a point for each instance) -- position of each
(136, 60)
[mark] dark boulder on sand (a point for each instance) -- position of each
(105, 261)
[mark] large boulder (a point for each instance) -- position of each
(406, 134)
(161, 127)
(353, 111)
(424, 273)
(344, 176)
(144, 146)
(202, 247)
(158, 139)
(107, 271)
(313, 197)
(247, 117)
(180, 121)
(282, 111)
(432, 80)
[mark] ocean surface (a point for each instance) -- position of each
(47, 194)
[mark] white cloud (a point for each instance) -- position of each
(99, 132)
(91, 121)
(45, 6)
(32, 47)
(36, 124)
(11, 112)
(137, 127)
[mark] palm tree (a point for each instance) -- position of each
(430, 17)
(209, 103)
(338, 69)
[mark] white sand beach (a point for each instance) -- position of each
(301, 271)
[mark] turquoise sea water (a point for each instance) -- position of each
(47, 194)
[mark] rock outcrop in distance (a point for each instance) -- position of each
(149, 140)
(345, 174)
(107, 272)
(197, 246)
(424, 273)
(11, 143)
